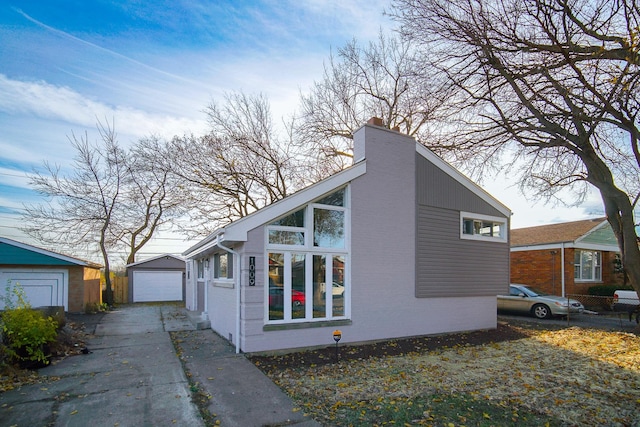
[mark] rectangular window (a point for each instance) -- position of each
(201, 269)
(328, 228)
(285, 237)
(223, 266)
(587, 266)
(482, 227)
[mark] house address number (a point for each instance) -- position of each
(252, 271)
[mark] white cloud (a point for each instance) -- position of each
(47, 101)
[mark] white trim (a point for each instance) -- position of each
(593, 247)
(238, 230)
(594, 229)
(504, 233)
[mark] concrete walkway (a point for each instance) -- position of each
(133, 377)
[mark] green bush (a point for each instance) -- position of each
(606, 290)
(26, 334)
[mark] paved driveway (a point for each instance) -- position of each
(132, 378)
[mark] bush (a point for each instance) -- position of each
(606, 290)
(27, 334)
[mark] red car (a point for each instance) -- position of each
(276, 297)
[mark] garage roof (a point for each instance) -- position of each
(13, 252)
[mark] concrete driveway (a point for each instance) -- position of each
(133, 377)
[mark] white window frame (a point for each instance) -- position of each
(502, 222)
(309, 250)
(597, 266)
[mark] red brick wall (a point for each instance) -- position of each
(541, 269)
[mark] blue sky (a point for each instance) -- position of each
(152, 67)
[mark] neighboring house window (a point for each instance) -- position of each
(482, 227)
(201, 269)
(587, 265)
(223, 266)
(307, 255)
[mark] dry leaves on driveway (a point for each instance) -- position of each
(577, 376)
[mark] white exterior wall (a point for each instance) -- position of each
(382, 263)
(221, 309)
(190, 283)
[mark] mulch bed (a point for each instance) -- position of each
(396, 347)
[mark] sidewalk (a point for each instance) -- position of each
(133, 377)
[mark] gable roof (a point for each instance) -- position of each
(564, 232)
(237, 230)
(18, 253)
(144, 261)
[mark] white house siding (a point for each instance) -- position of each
(190, 294)
(382, 265)
(221, 310)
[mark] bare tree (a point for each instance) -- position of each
(240, 166)
(111, 199)
(382, 79)
(151, 200)
(551, 86)
(81, 205)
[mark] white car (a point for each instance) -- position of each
(525, 299)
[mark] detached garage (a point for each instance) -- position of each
(48, 278)
(157, 279)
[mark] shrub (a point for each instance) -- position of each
(26, 333)
(605, 290)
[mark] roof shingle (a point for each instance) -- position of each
(553, 233)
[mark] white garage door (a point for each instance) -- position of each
(157, 286)
(41, 287)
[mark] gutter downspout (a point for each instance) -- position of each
(236, 275)
(562, 268)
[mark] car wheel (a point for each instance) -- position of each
(541, 311)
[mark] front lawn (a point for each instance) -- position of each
(536, 377)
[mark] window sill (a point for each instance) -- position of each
(306, 325)
(220, 284)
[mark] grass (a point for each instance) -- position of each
(560, 377)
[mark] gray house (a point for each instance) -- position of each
(400, 244)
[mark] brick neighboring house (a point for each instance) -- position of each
(565, 258)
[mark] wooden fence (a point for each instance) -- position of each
(120, 290)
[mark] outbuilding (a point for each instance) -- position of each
(48, 278)
(399, 244)
(161, 278)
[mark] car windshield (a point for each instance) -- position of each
(532, 292)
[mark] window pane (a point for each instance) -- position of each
(333, 199)
(200, 269)
(468, 226)
(298, 299)
(338, 286)
(328, 228)
(276, 286)
(222, 266)
(279, 237)
(587, 265)
(319, 275)
(295, 219)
